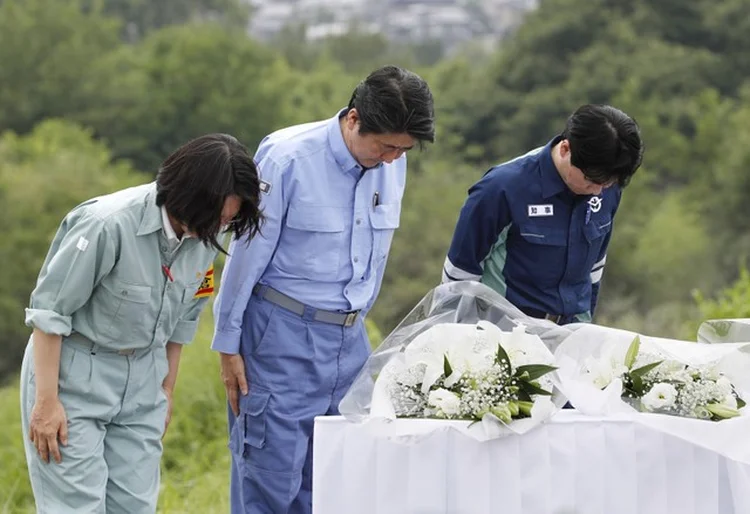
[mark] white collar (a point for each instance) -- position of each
(168, 230)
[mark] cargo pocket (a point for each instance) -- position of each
(250, 426)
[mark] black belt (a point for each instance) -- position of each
(345, 319)
(536, 313)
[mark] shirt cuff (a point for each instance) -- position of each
(226, 342)
(184, 332)
(49, 322)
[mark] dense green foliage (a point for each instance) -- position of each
(96, 92)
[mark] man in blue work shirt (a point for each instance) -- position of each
(536, 229)
(291, 306)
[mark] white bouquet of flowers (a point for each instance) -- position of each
(610, 372)
(461, 371)
(464, 355)
(653, 382)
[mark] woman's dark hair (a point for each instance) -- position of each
(605, 144)
(397, 101)
(195, 180)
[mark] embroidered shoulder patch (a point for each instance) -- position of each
(206, 288)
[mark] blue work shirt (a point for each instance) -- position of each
(523, 233)
(327, 233)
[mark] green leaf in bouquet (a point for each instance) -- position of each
(644, 369)
(523, 396)
(637, 385)
(628, 392)
(633, 349)
(447, 370)
(533, 371)
(502, 359)
(740, 402)
(533, 388)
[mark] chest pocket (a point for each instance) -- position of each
(385, 220)
(122, 309)
(594, 232)
(314, 237)
(541, 253)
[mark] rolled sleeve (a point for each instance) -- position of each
(81, 253)
(187, 326)
(49, 321)
(184, 332)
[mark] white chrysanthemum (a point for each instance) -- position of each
(447, 402)
(661, 396)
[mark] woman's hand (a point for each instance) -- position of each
(47, 424)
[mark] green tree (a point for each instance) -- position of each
(46, 48)
(182, 82)
(42, 176)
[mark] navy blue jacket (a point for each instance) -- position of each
(523, 233)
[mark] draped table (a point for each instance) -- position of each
(573, 464)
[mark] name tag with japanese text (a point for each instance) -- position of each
(541, 210)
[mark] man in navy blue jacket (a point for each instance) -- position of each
(536, 229)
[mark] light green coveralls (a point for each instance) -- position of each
(117, 289)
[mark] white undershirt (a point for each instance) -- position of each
(173, 241)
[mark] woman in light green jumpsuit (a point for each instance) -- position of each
(119, 293)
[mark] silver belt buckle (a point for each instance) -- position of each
(350, 318)
(554, 318)
(126, 352)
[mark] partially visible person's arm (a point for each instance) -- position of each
(242, 270)
(80, 255)
(174, 351)
(484, 215)
(48, 420)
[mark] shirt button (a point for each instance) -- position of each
(124, 293)
(346, 291)
(356, 259)
(359, 222)
(163, 248)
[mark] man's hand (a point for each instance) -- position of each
(48, 421)
(233, 376)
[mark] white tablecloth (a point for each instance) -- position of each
(572, 464)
